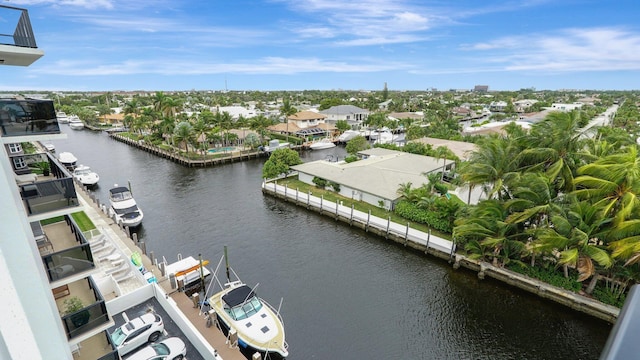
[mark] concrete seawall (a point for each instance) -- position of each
(440, 248)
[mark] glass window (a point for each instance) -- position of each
(19, 163)
(15, 148)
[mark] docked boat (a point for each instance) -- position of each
(62, 117)
(50, 147)
(85, 175)
(75, 123)
(124, 207)
(258, 325)
(348, 135)
(68, 160)
(384, 137)
(322, 144)
(187, 273)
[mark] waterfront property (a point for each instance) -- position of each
(375, 178)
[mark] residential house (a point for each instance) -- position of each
(353, 115)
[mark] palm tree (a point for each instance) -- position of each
(183, 133)
(492, 166)
(287, 110)
(559, 138)
(441, 152)
(487, 225)
(575, 235)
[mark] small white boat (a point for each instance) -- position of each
(50, 147)
(322, 144)
(85, 175)
(187, 272)
(68, 160)
(124, 207)
(384, 137)
(75, 123)
(348, 135)
(275, 145)
(62, 117)
(258, 325)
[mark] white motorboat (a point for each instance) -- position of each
(50, 147)
(325, 143)
(384, 137)
(258, 325)
(348, 135)
(124, 207)
(275, 145)
(188, 273)
(62, 117)
(75, 123)
(85, 175)
(68, 160)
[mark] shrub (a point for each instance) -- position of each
(335, 186)
(548, 274)
(350, 158)
(320, 182)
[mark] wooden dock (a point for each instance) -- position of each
(206, 161)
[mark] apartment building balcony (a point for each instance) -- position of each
(46, 187)
(18, 48)
(27, 117)
(82, 309)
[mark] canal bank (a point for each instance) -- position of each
(440, 248)
(367, 298)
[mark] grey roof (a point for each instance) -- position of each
(381, 174)
(343, 110)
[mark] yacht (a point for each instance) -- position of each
(62, 117)
(75, 123)
(68, 160)
(258, 326)
(85, 175)
(348, 135)
(325, 143)
(123, 208)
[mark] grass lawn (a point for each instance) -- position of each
(293, 183)
(83, 221)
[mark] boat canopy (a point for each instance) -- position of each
(238, 296)
(120, 193)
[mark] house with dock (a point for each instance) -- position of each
(376, 177)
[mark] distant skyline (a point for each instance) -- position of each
(109, 45)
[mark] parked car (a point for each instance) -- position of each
(168, 349)
(137, 332)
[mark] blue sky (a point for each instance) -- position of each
(324, 45)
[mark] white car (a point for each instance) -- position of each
(168, 349)
(137, 332)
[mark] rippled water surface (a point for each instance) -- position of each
(346, 294)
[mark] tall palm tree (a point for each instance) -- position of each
(287, 110)
(492, 166)
(559, 138)
(183, 133)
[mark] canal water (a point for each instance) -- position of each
(346, 294)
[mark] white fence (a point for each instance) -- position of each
(369, 221)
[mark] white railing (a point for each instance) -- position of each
(370, 221)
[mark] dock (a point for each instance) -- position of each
(127, 245)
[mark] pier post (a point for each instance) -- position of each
(388, 226)
(297, 191)
(406, 235)
(308, 198)
(128, 231)
(321, 200)
(337, 204)
(426, 249)
(285, 192)
(143, 247)
(135, 238)
(351, 218)
(366, 228)
(152, 258)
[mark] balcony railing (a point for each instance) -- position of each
(20, 117)
(46, 196)
(23, 33)
(68, 262)
(113, 354)
(87, 318)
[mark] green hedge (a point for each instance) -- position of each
(437, 219)
(548, 274)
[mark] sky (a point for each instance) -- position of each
(168, 45)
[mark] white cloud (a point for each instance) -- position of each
(588, 49)
(87, 4)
